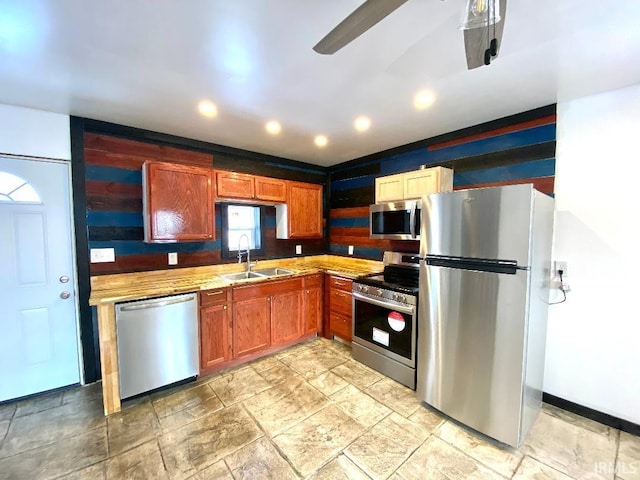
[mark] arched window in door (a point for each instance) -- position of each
(16, 189)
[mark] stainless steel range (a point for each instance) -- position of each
(385, 318)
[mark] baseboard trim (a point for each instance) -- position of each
(591, 414)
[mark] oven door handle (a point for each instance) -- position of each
(409, 309)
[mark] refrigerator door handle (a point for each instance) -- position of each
(412, 220)
(509, 267)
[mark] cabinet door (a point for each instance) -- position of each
(235, 185)
(312, 310)
(340, 325)
(389, 188)
(251, 326)
(429, 180)
(305, 210)
(178, 203)
(271, 189)
(214, 336)
(286, 316)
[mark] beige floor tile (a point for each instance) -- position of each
(7, 411)
(132, 427)
(97, 471)
(85, 393)
(502, 459)
(328, 383)
(427, 418)
(4, 428)
(436, 459)
(38, 404)
(395, 396)
(381, 450)
(57, 459)
(50, 425)
(190, 414)
(571, 449)
(312, 442)
(259, 459)
(280, 373)
(265, 363)
(357, 374)
(217, 471)
(360, 406)
(579, 420)
(190, 449)
(531, 469)
(628, 464)
(142, 462)
(284, 405)
(312, 362)
(340, 468)
(238, 385)
(182, 399)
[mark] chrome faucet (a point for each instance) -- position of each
(240, 252)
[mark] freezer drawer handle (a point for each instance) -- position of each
(509, 267)
(147, 305)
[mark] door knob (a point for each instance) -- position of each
(64, 279)
(64, 295)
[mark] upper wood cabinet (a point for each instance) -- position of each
(301, 216)
(242, 186)
(410, 185)
(177, 203)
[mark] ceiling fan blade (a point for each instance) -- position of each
(361, 19)
(476, 40)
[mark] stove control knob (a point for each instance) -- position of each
(379, 292)
(403, 298)
(395, 296)
(360, 287)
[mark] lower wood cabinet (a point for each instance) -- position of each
(339, 301)
(312, 301)
(286, 317)
(251, 322)
(215, 327)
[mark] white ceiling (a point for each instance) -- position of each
(147, 63)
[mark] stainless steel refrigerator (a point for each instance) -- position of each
(485, 271)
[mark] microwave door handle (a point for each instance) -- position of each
(412, 220)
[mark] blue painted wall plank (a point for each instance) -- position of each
(132, 247)
(100, 218)
(349, 222)
(112, 174)
(534, 169)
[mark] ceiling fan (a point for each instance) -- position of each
(483, 25)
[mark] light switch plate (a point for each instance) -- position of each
(173, 258)
(102, 255)
(298, 249)
(350, 249)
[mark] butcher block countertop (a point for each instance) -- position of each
(123, 287)
(107, 290)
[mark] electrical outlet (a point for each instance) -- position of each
(560, 265)
(173, 258)
(298, 249)
(350, 249)
(102, 255)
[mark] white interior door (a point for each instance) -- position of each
(39, 339)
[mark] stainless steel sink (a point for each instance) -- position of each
(272, 272)
(262, 273)
(233, 277)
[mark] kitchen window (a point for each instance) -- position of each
(239, 220)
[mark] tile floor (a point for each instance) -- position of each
(307, 412)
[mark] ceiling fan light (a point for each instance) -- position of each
(480, 13)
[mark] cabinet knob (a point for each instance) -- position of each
(224, 308)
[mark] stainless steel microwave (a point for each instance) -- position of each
(395, 220)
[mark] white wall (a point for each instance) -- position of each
(28, 132)
(593, 343)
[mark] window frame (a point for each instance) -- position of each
(226, 252)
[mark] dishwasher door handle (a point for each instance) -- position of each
(156, 304)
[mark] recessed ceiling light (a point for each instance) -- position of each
(321, 141)
(273, 127)
(362, 123)
(424, 99)
(207, 108)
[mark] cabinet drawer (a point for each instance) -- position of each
(340, 325)
(215, 296)
(340, 302)
(340, 283)
(313, 281)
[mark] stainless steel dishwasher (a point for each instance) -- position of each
(157, 342)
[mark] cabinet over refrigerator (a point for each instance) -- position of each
(484, 289)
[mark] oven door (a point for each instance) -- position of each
(388, 328)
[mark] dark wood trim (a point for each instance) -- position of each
(497, 124)
(88, 327)
(604, 418)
